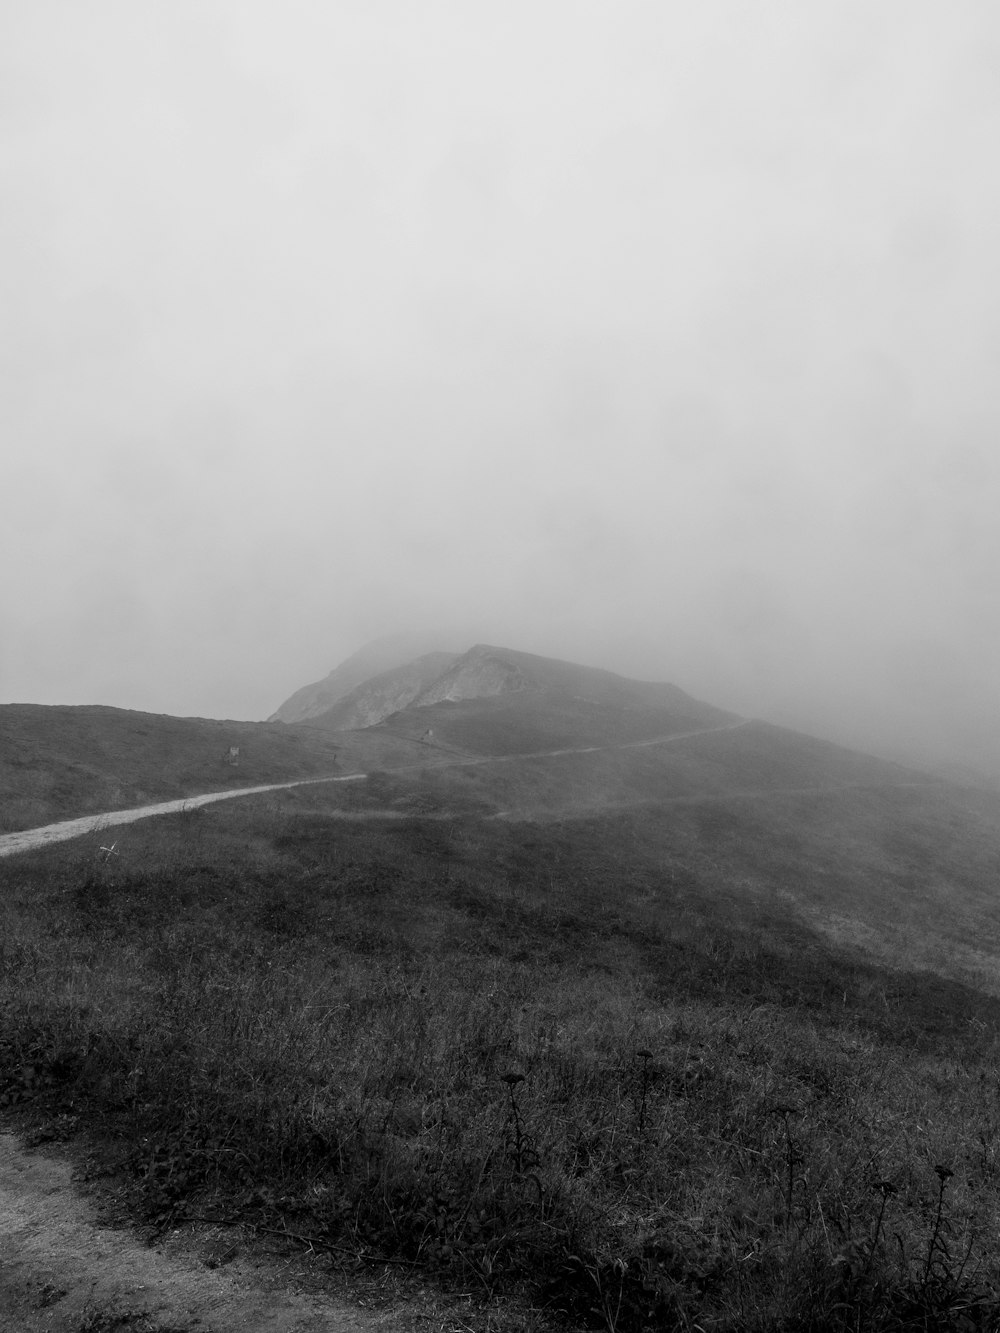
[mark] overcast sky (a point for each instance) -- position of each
(662, 335)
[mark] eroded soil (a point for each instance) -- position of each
(65, 1270)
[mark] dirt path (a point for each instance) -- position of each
(61, 1271)
(26, 839)
(644, 744)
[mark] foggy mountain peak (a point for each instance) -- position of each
(484, 672)
(734, 317)
(477, 674)
(393, 672)
(377, 656)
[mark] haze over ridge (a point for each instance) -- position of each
(656, 338)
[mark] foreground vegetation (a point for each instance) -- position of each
(534, 1058)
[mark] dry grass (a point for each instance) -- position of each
(578, 1062)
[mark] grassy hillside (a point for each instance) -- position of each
(687, 1036)
(865, 852)
(532, 720)
(58, 762)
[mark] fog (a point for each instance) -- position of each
(660, 336)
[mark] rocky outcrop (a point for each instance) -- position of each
(375, 658)
(384, 694)
(478, 674)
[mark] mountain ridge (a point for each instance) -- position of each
(383, 694)
(374, 658)
(490, 672)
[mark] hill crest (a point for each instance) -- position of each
(374, 659)
(513, 701)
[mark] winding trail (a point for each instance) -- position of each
(25, 840)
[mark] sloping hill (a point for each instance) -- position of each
(537, 720)
(591, 742)
(674, 1005)
(60, 762)
(498, 701)
(485, 671)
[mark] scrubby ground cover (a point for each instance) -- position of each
(581, 1060)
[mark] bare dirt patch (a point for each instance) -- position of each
(64, 1271)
